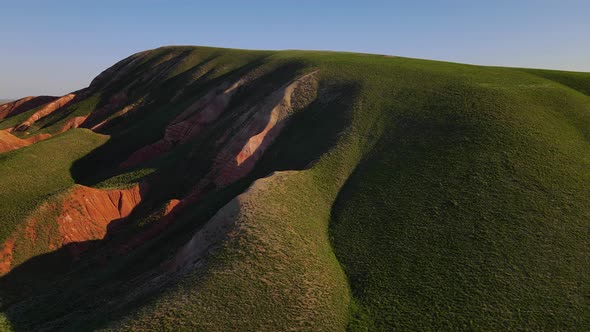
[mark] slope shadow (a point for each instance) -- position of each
(26, 106)
(51, 292)
(145, 126)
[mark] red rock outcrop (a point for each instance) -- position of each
(86, 212)
(9, 142)
(81, 215)
(72, 123)
(22, 105)
(45, 110)
(170, 206)
(255, 131)
(6, 255)
(188, 124)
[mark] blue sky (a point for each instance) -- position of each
(53, 47)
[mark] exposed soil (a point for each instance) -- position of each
(9, 142)
(22, 105)
(6, 255)
(45, 111)
(188, 124)
(72, 123)
(81, 215)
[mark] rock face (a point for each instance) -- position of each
(10, 142)
(6, 255)
(72, 123)
(22, 105)
(238, 153)
(272, 123)
(188, 124)
(82, 215)
(86, 212)
(46, 110)
(253, 133)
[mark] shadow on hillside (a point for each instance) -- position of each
(51, 291)
(145, 126)
(26, 106)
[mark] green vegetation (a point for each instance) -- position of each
(456, 218)
(412, 195)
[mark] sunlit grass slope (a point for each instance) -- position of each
(467, 207)
(453, 197)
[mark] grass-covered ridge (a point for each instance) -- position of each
(463, 212)
(448, 197)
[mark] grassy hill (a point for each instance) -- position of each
(398, 194)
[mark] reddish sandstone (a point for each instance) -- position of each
(6, 255)
(86, 212)
(9, 142)
(72, 123)
(22, 105)
(188, 124)
(45, 111)
(83, 215)
(238, 154)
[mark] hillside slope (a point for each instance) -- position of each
(217, 189)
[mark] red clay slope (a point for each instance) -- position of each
(238, 154)
(257, 129)
(72, 123)
(188, 124)
(83, 214)
(10, 142)
(23, 105)
(45, 111)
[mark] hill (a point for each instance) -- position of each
(194, 188)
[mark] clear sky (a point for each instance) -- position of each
(53, 47)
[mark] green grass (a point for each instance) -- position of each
(461, 216)
(449, 197)
(280, 274)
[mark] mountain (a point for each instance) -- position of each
(195, 188)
